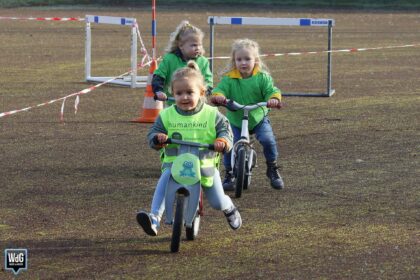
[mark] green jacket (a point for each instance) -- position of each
(173, 61)
(257, 88)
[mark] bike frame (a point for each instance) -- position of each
(192, 192)
(245, 138)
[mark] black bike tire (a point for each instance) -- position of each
(240, 171)
(178, 223)
(247, 180)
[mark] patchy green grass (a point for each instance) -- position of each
(350, 162)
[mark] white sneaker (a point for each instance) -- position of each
(149, 222)
(234, 218)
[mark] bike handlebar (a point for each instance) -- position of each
(235, 106)
(188, 143)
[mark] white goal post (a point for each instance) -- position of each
(304, 22)
(132, 80)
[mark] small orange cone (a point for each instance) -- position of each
(151, 107)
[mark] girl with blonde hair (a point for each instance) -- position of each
(247, 81)
(195, 121)
(186, 43)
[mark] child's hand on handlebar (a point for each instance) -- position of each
(160, 139)
(274, 103)
(161, 96)
(218, 99)
(219, 145)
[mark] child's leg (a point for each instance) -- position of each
(265, 135)
(158, 202)
(228, 180)
(151, 222)
(220, 201)
(227, 156)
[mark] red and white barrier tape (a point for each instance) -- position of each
(143, 49)
(219, 57)
(45, 18)
(76, 103)
(332, 51)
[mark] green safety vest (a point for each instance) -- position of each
(201, 128)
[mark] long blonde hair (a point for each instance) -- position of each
(250, 45)
(182, 32)
(191, 71)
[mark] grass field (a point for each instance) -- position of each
(70, 191)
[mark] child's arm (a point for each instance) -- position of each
(208, 75)
(157, 87)
(224, 135)
(270, 91)
(160, 77)
(156, 129)
(219, 93)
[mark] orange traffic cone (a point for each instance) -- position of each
(151, 107)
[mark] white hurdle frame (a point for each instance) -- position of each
(305, 22)
(132, 80)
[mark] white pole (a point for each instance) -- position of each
(88, 48)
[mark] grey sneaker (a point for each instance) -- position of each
(234, 218)
(228, 182)
(149, 222)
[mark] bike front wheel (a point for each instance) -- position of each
(178, 223)
(240, 171)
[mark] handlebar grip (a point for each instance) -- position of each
(211, 147)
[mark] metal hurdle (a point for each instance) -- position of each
(133, 80)
(305, 22)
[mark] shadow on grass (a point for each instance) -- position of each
(117, 247)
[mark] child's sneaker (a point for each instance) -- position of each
(233, 217)
(274, 175)
(149, 222)
(228, 182)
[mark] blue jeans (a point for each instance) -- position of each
(264, 134)
(215, 195)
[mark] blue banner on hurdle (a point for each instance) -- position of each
(305, 22)
(236, 20)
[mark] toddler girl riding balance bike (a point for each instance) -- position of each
(248, 82)
(194, 121)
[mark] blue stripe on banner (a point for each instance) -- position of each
(236, 21)
(123, 21)
(305, 22)
(96, 19)
(153, 28)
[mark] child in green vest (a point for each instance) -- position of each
(247, 81)
(186, 43)
(196, 121)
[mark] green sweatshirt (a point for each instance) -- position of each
(257, 88)
(172, 62)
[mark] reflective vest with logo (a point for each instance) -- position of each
(201, 128)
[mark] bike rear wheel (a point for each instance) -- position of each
(240, 171)
(192, 232)
(178, 223)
